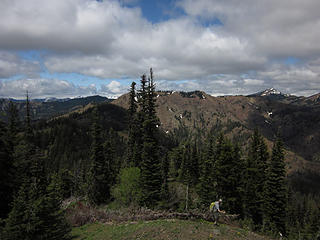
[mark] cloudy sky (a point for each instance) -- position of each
(70, 48)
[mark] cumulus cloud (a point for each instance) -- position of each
(299, 80)
(178, 49)
(114, 89)
(11, 65)
(63, 25)
(274, 28)
(253, 82)
(41, 88)
(105, 39)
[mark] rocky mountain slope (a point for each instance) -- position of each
(296, 119)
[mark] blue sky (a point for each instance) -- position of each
(85, 47)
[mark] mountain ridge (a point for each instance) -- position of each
(296, 119)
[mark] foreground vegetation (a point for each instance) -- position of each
(163, 229)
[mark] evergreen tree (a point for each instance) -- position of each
(28, 129)
(207, 187)
(13, 125)
(185, 172)
(164, 195)
(175, 159)
(134, 138)
(150, 165)
(195, 165)
(56, 224)
(18, 224)
(26, 149)
(276, 191)
(6, 173)
(98, 181)
(143, 97)
(36, 210)
(255, 179)
(228, 174)
(112, 165)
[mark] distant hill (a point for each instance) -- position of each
(50, 107)
(297, 119)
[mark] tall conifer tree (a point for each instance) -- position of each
(31, 213)
(164, 172)
(36, 211)
(98, 184)
(207, 187)
(228, 168)
(6, 172)
(13, 125)
(134, 138)
(276, 191)
(112, 165)
(255, 177)
(151, 179)
(185, 172)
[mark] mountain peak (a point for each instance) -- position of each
(270, 91)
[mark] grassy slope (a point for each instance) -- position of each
(163, 229)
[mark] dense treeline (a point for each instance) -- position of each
(109, 156)
(31, 208)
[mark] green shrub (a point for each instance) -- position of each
(128, 191)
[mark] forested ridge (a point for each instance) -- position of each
(108, 155)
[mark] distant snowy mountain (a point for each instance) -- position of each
(270, 92)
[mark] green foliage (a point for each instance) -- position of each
(303, 216)
(36, 212)
(175, 160)
(189, 169)
(151, 179)
(229, 168)
(254, 178)
(18, 225)
(64, 183)
(276, 191)
(207, 186)
(58, 227)
(112, 161)
(99, 179)
(164, 194)
(6, 172)
(134, 136)
(128, 191)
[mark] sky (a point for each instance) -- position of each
(72, 48)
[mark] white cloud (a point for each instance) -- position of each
(274, 28)
(41, 88)
(11, 65)
(63, 25)
(113, 89)
(253, 82)
(177, 49)
(107, 40)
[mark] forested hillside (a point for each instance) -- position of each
(48, 108)
(164, 151)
